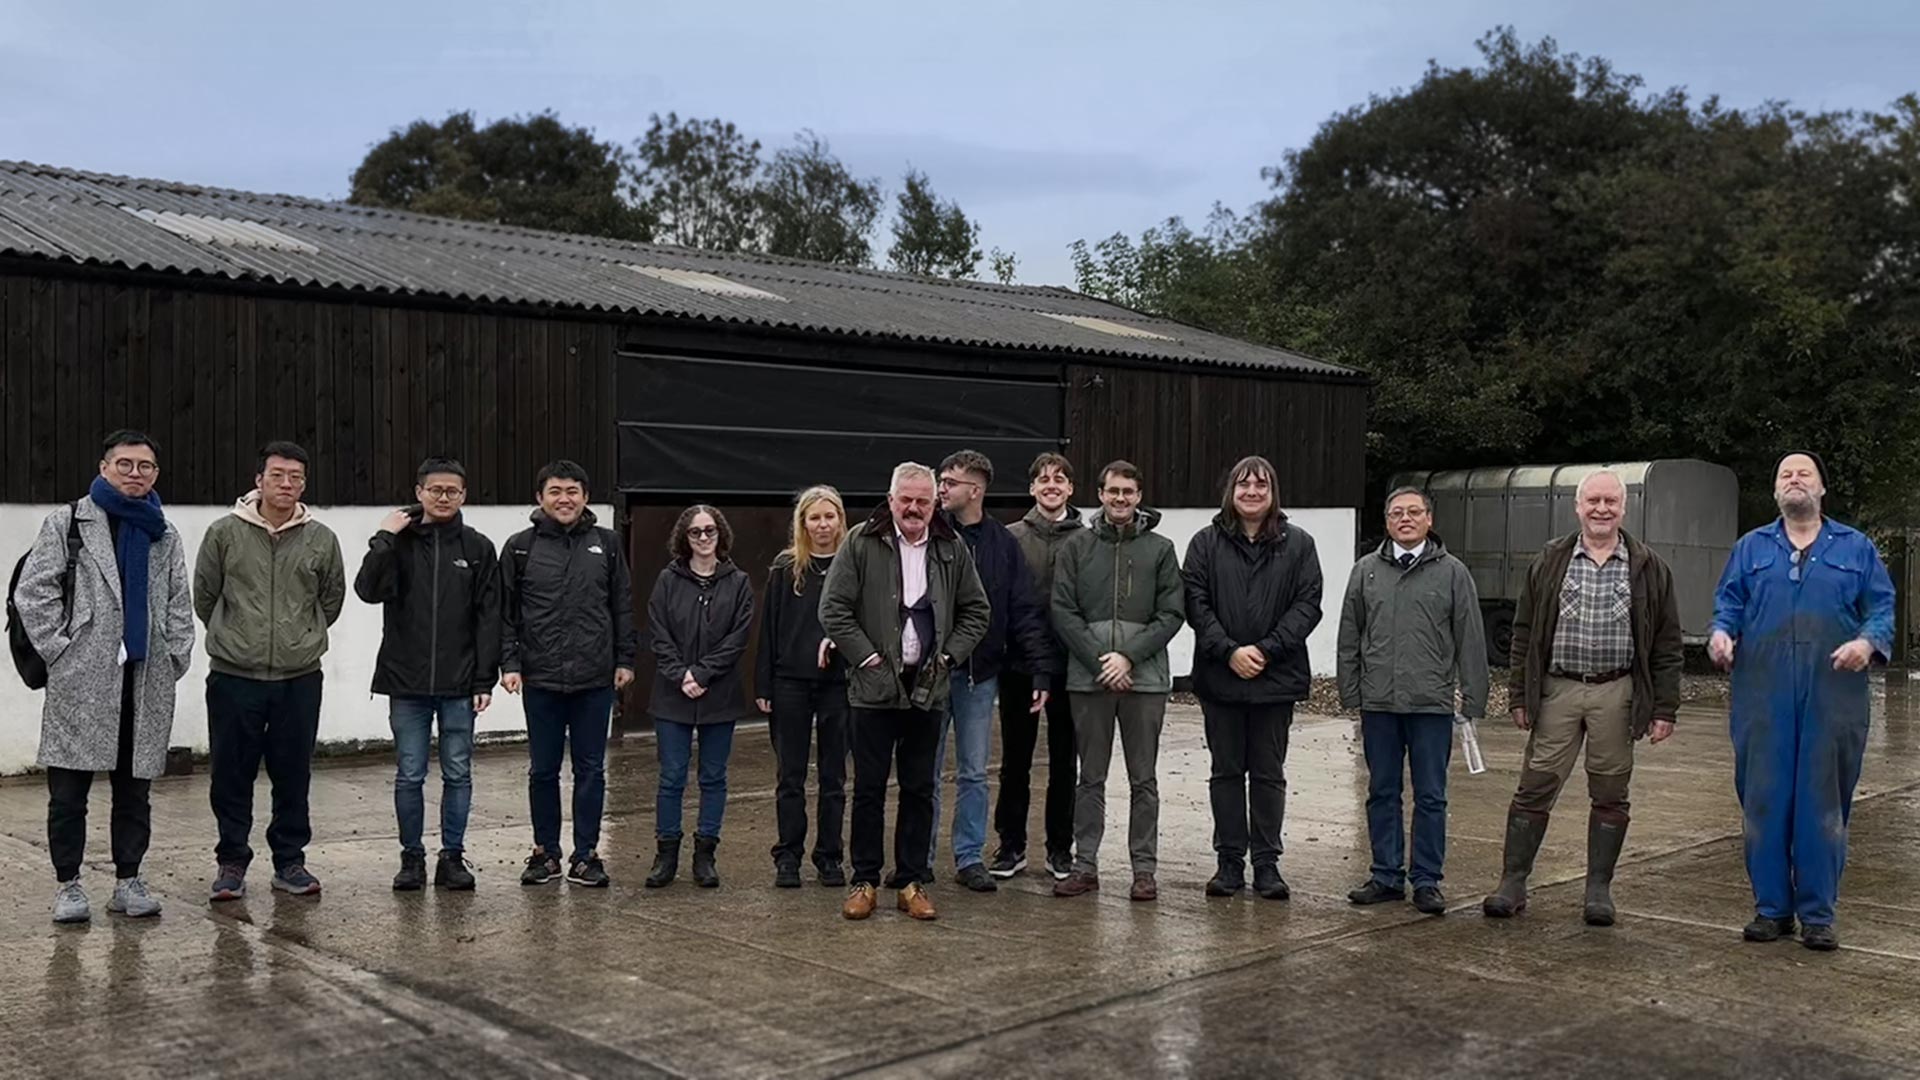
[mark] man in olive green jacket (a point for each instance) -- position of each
(1118, 599)
(268, 583)
(903, 604)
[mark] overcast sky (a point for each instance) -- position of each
(1047, 119)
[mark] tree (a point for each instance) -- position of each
(1005, 265)
(932, 236)
(812, 207)
(698, 178)
(530, 171)
(1536, 259)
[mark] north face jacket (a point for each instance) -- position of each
(566, 605)
(438, 585)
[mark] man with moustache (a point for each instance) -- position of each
(1805, 605)
(1596, 659)
(903, 604)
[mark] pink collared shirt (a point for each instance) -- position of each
(913, 586)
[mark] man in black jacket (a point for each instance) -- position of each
(439, 656)
(1253, 595)
(1017, 625)
(567, 636)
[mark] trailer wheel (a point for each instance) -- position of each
(1499, 623)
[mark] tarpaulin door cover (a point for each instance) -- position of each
(691, 426)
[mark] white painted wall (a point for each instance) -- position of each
(1333, 536)
(348, 709)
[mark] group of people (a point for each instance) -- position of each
(886, 639)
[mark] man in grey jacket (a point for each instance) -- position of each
(1410, 633)
(113, 618)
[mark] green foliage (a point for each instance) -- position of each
(698, 178)
(530, 171)
(1004, 264)
(932, 236)
(812, 207)
(1538, 260)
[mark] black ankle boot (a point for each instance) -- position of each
(705, 874)
(666, 864)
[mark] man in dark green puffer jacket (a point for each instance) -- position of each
(1117, 601)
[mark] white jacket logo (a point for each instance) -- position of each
(595, 549)
(461, 563)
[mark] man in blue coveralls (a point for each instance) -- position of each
(1807, 604)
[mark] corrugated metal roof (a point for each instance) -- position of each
(82, 217)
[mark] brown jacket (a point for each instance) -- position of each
(1657, 647)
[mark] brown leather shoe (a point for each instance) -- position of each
(1143, 888)
(860, 902)
(917, 904)
(1077, 883)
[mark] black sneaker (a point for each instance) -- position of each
(541, 868)
(1428, 900)
(1229, 879)
(413, 872)
(1060, 864)
(1375, 893)
(588, 872)
(1269, 884)
(832, 874)
(1007, 863)
(786, 873)
(974, 876)
(452, 872)
(1819, 938)
(1768, 928)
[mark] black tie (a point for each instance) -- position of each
(1406, 560)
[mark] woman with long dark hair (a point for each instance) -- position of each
(802, 686)
(699, 616)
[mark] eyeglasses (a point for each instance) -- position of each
(446, 493)
(1799, 557)
(949, 481)
(128, 467)
(703, 532)
(1406, 515)
(1120, 493)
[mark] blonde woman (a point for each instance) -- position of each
(801, 680)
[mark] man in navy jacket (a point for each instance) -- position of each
(1018, 622)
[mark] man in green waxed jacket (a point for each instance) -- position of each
(1117, 601)
(903, 604)
(268, 582)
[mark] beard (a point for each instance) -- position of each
(1795, 503)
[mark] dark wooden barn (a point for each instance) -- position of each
(217, 320)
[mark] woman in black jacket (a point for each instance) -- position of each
(1253, 596)
(700, 615)
(801, 680)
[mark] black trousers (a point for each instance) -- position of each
(1248, 785)
(882, 738)
(67, 791)
(1019, 732)
(800, 708)
(250, 721)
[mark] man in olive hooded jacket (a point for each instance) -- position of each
(268, 582)
(1117, 602)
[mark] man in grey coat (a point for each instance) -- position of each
(1410, 634)
(116, 631)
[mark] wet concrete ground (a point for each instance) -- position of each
(749, 981)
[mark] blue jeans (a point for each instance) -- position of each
(554, 719)
(970, 715)
(1424, 741)
(412, 719)
(675, 743)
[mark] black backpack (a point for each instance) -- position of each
(26, 659)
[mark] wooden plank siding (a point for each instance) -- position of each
(368, 389)
(371, 388)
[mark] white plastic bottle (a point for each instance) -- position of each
(1470, 745)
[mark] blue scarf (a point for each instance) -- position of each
(141, 523)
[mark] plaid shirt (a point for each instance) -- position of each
(1595, 635)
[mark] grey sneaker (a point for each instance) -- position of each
(131, 898)
(70, 903)
(293, 878)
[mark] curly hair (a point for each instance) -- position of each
(679, 546)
